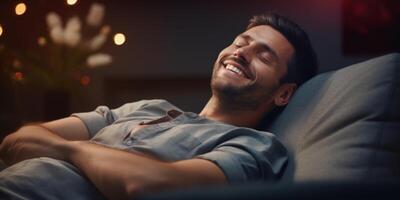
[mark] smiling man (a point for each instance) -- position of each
(152, 145)
(246, 81)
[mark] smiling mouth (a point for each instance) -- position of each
(235, 69)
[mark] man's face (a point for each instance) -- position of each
(248, 71)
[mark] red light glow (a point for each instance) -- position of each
(85, 80)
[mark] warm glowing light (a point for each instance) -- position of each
(85, 80)
(71, 2)
(41, 41)
(1, 30)
(18, 76)
(119, 39)
(20, 9)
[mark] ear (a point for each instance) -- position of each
(284, 93)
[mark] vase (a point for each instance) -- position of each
(56, 104)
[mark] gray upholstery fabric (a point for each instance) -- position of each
(345, 125)
(341, 126)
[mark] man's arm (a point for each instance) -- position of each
(116, 173)
(70, 128)
(122, 175)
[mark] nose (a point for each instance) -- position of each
(241, 55)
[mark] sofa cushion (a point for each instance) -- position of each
(345, 125)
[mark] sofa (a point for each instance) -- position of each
(342, 133)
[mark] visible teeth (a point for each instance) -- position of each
(234, 69)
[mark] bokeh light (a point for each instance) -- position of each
(72, 2)
(18, 76)
(119, 39)
(1, 30)
(20, 8)
(85, 80)
(41, 41)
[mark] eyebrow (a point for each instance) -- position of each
(263, 45)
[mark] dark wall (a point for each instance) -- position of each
(183, 38)
(172, 42)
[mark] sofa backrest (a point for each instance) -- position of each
(344, 125)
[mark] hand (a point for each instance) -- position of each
(31, 142)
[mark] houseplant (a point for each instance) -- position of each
(60, 61)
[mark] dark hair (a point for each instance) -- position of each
(303, 64)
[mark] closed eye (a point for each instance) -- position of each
(239, 41)
(270, 53)
(265, 57)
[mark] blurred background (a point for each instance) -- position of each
(63, 56)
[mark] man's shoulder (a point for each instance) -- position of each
(153, 105)
(252, 131)
(149, 102)
(233, 129)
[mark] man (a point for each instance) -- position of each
(151, 145)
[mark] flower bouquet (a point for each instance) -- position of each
(62, 56)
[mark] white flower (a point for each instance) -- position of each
(73, 24)
(57, 35)
(72, 38)
(53, 20)
(97, 42)
(72, 34)
(54, 24)
(98, 59)
(96, 14)
(99, 39)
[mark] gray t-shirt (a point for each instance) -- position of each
(243, 154)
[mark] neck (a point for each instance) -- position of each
(232, 114)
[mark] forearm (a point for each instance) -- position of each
(39, 139)
(29, 142)
(119, 174)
